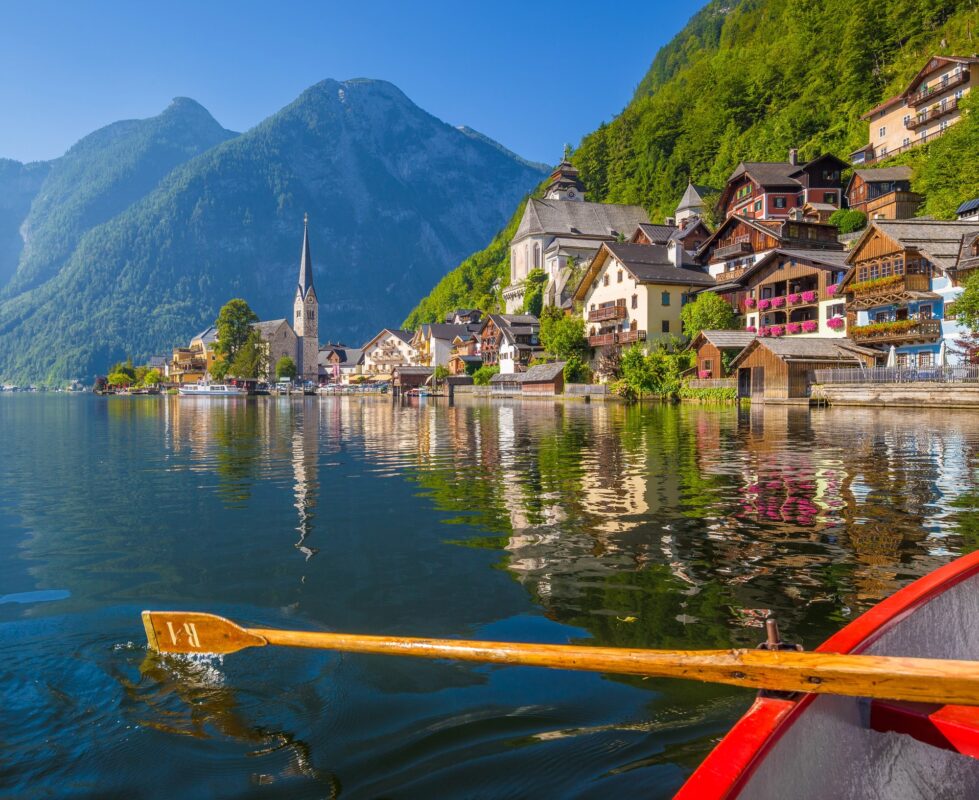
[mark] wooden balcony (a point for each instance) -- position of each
(892, 289)
(926, 94)
(932, 113)
(607, 313)
(616, 338)
(733, 250)
(898, 332)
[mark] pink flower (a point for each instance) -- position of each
(764, 304)
(831, 290)
(750, 302)
(763, 331)
(793, 327)
(751, 329)
(810, 325)
(704, 374)
(836, 323)
(777, 330)
(794, 298)
(809, 297)
(778, 302)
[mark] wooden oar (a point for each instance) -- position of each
(916, 679)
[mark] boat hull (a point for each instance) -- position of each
(818, 746)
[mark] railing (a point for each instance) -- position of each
(942, 86)
(926, 329)
(586, 389)
(932, 113)
(736, 249)
(963, 374)
(616, 337)
(606, 313)
(913, 282)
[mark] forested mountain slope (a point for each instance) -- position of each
(746, 81)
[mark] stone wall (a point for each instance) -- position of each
(944, 395)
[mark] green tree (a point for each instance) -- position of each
(576, 370)
(124, 368)
(152, 377)
(564, 336)
(481, 377)
(848, 220)
(533, 298)
(967, 304)
(708, 312)
(637, 373)
(285, 369)
(234, 324)
(440, 374)
(251, 359)
(120, 379)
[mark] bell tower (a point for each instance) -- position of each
(305, 314)
(564, 183)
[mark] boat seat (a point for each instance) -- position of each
(948, 727)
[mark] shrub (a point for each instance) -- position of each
(481, 377)
(576, 370)
(848, 220)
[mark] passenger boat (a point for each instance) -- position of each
(211, 390)
(830, 746)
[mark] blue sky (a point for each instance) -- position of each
(532, 75)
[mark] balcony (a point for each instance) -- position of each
(892, 289)
(940, 110)
(616, 338)
(900, 331)
(607, 313)
(925, 94)
(733, 250)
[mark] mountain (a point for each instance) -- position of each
(747, 80)
(482, 137)
(101, 176)
(394, 196)
(19, 184)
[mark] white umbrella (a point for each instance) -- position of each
(942, 355)
(892, 357)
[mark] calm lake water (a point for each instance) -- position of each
(656, 527)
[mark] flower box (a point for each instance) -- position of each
(836, 323)
(763, 331)
(703, 374)
(764, 305)
(778, 302)
(793, 327)
(777, 330)
(810, 326)
(809, 297)
(794, 298)
(832, 289)
(750, 302)
(751, 329)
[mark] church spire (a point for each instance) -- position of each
(305, 262)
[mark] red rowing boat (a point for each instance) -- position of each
(830, 746)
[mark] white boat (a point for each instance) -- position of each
(211, 390)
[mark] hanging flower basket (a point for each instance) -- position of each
(750, 302)
(793, 327)
(763, 331)
(809, 297)
(810, 326)
(794, 298)
(704, 374)
(836, 323)
(832, 289)
(751, 329)
(778, 302)
(777, 330)
(764, 305)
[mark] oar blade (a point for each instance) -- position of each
(193, 632)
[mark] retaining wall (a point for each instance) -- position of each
(944, 395)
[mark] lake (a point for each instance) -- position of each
(663, 527)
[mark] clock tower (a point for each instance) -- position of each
(565, 183)
(305, 314)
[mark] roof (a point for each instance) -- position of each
(651, 264)
(823, 259)
(934, 63)
(966, 259)
(776, 228)
(939, 240)
(727, 340)
(268, 327)
(542, 372)
(820, 206)
(397, 333)
(693, 196)
(305, 263)
(768, 173)
(658, 234)
(468, 358)
(968, 206)
(207, 336)
(813, 348)
(578, 218)
(888, 174)
(349, 356)
(405, 369)
(445, 330)
(890, 101)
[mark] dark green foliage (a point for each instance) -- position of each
(576, 370)
(747, 80)
(19, 184)
(967, 304)
(709, 312)
(251, 359)
(848, 220)
(285, 369)
(563, 335)
(234, 324)
(533, 300)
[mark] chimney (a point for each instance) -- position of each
(794, 156)
(671, 221)
(674, 250)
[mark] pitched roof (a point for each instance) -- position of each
(268, 326)
(575, 218)
(937, 62)
(882, 174)
(768, 173)
(890, 101)
(305, 262)
(349, 356)
(404, 336)
(445, 330)
(966, 258)
(939, 240)
(207, 336)
(651, 264)
(658, 234)
(814, 348)
(536, 374)
(411, 369)
(967, 206)
(693, 196)
(727, 340)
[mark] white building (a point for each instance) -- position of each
(388, 349)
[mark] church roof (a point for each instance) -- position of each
(571, 218)
(305, 263)
(694, 196)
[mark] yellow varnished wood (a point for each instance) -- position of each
(913, 679)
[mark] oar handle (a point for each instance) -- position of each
(915, 679)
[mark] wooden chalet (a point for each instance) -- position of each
(883, 193)
(465, 358)
(691, 233)
(716, 348)
(738, 243)
(511, 341)
(770, 190)
(781, 370)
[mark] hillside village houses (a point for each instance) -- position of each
(388, 349)
(925, 109)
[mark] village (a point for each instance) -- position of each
(866, 316)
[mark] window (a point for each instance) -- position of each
(829, 197)
(619, 277)
(665, 298)
(926, 359)
(906, 142)
(836, 310)
(925, 311)
(882, 132)
(779, 202)
(907, 119)
(666, 326)
(944, 125)
(902, 360)
(757, 205)
(592, 306)
(299, 313)
(881, 316)
(958, 94)
(708, 365)
(635, 301)
(874, 271)
(882, 151)
(311, 314)
(605, 280)
(537, 256)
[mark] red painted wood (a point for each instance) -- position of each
(726, 770)
(949, 727)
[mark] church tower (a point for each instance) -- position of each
(304, 314)
(564, 183)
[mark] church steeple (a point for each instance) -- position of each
(305, 262)
(564, 183)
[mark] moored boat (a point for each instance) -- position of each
(822, 746)
(211, 390)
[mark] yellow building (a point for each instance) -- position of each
(634, 293)
(193, 363)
